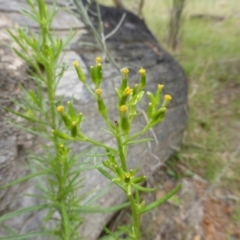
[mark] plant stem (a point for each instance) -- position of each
(135, 217)
(51, 97)
(121, 153)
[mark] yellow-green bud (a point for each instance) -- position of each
(127, 91)
(60, 134)
(158, 93)
(167, 100)
(124, 122)
(79, 71)
(124, 96)
(99, 74)
(124, 82)
(125, 71)
(93, 75)
(142, 73)
(123, 108)
(66, 119)
(160, 87)
(60, 109)
(98, 91)
(98, 60)
(101, 105)
(76, 63)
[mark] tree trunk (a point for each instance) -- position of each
(175, 22)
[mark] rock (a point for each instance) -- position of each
(132, 45)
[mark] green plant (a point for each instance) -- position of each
(116, 167)
(58, 170)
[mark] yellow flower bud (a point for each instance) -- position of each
(98, 91)
(167, 99)
(124, 82)
(127, 91)
(143, 80)
(124, 122)
(160, 87)
(123, 108)
(79, 71)
(98, 60)
(125, 71)
(76, 63)
(142, 71)
(60, 109)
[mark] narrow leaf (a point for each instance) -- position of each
(144, 189)
(22, 211)
(27, 235)
(99, 209)
(138, 141)
(105, 173)
(23, 179)
(161, 200)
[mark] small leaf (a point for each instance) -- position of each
(138, 141)
(99, 209)
(105, 173)
(23, 179)
(144, 189)
(22, 211)
(27, 236)
(161, 200)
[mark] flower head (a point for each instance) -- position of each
(60, 109)
(125, 70)
(127, 91)
(160, 87)
(167, 98)
(123, 108)
(142, 71)
(76, 63)
(98, 60)
(98, 91)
